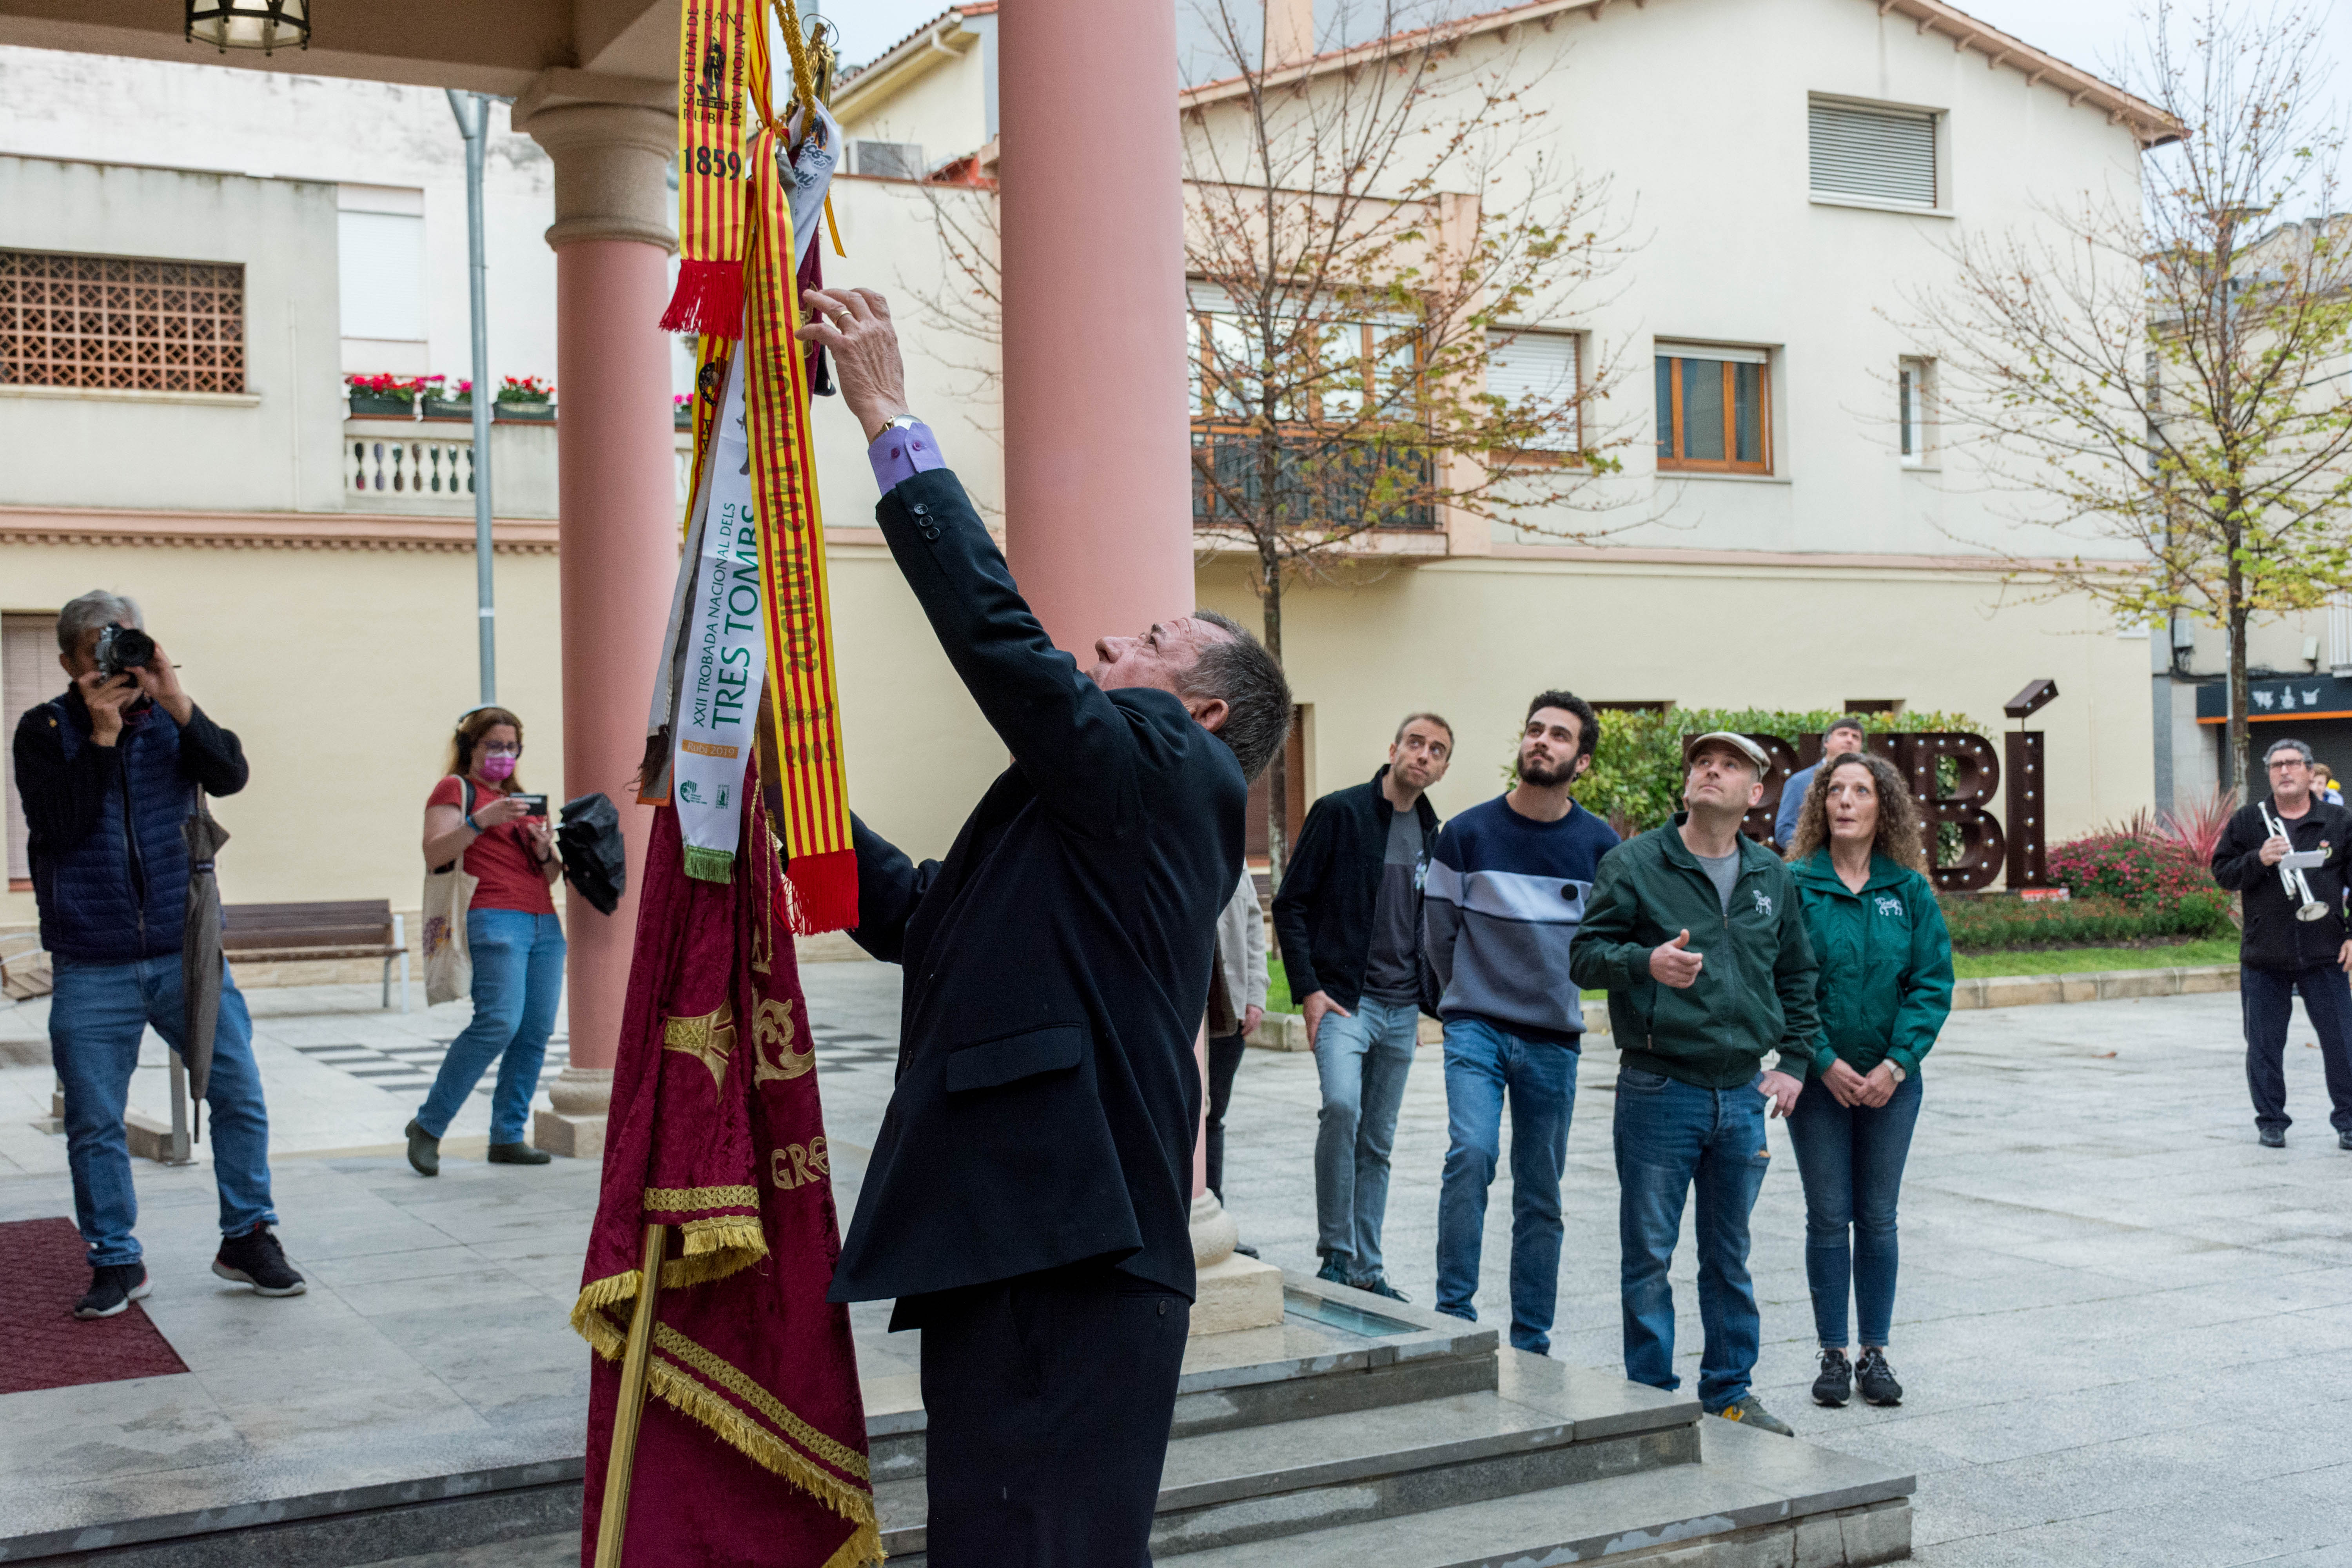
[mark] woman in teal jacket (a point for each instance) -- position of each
(1885, 988)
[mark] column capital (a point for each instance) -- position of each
(611, 139)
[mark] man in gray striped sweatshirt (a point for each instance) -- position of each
(1505, 892)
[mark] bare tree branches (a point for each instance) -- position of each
(2164, 386)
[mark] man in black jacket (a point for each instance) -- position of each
(1029, 1197)
(110, 772)
(2281, 955)
(1348, 918)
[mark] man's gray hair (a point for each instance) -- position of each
(1257, 697)
(2297, 747)
(95, 608)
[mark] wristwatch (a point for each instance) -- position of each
(1896, 1069)
(904, 422)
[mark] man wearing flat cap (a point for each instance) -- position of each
(1694, 933)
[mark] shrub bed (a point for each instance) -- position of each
(1986, 923)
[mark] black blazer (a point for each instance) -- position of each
(1057, 962)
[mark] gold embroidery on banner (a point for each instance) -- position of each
(763, 935)
(806, 1164)
(709, 1039)
(775, 1045)
(840, 1456)
(694, 1200)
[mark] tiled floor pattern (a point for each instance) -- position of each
(409, 1070)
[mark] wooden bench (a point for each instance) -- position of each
(284, 934)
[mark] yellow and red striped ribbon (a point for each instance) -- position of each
(822, 868)
(722, 67)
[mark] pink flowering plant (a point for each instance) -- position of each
(525, 389)
(401, 389)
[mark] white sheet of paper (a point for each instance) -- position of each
(2303, 860)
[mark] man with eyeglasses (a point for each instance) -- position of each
(2293, 944)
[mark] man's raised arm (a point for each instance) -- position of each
(1076, 748)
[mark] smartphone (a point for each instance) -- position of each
(533, 805)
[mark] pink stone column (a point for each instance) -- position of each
(1098, 444)
(616, 468)
(1097, 463)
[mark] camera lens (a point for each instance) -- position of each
(132, 648)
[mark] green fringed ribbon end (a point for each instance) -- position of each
(705, 865)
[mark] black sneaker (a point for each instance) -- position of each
(1379, 1286)
(1334, 1273)
(255, 1258)
(2344, 1140)
(518, 1154)
(1749, 1411)
(112, 1287)
(1247, 1250)
(1835, 1386)
(2273, 1138)
(1876, 1378)
(423, 1151)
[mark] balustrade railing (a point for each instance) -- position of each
(418, 468)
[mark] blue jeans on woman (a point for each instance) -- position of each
(518, 980)
(97, 1016)
(1672, 1138)
(1482, 1065)
(1362, 1060)
(1850, 1158)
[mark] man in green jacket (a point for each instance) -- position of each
(1694, 933)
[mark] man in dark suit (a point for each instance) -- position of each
(1028, 1198)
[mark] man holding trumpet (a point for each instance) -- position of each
(2287, 855)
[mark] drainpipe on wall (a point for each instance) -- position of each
(473, 113)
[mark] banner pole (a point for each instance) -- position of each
(614, 1521)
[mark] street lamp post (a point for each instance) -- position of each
(473, 113)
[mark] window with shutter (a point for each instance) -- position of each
(887, 160)
(28, 676)
(1537, 371)
(1880, 155)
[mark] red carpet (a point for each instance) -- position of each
(46, 1272)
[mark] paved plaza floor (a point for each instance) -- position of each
(2124, 1329)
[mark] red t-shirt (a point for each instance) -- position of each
(501, 859)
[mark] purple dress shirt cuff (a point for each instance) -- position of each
(902, 452)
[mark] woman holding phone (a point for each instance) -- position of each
(478, 811)
(1884, 989)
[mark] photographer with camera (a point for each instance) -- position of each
(479, 812)
(108, 773)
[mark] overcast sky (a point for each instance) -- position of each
(2092, 34)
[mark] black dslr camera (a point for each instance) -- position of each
(122, 647)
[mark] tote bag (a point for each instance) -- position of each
(448, 893)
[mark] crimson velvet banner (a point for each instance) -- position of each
(753, 1443)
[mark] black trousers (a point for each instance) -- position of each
(2267, 996)
(1224, 1060)
(1049, 1398)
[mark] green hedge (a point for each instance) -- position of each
(1998, 921)
(1636, 778)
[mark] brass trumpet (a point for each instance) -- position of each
(2307, 906)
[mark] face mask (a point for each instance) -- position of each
(497, 767)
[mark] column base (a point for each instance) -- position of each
(1234, 1291)
(575, 1128)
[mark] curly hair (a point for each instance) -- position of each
(1899, 836)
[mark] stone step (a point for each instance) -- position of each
(1547, 1426)
(1336, 1350)
(1751, 1498)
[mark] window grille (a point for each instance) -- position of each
(1911, 397)
(887, 160)
(112, 323)
(1873, 155)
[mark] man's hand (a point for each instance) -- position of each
(1254, 1015)
(159, 678)
(2276, 848)
(853, 326)
(106, 697)
(1843, 1083)
(1673, 964)
(1782, 1089)
(1315, 1006)
(503, 810)
(2343, 958)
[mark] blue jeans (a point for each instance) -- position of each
(1362, 1060)
(1850, 1158)
(97, 1016)
(517, 980)
(2267, 998)
(1672, 1137)
(1484, 1064)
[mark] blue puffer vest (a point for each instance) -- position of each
(121, 894)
